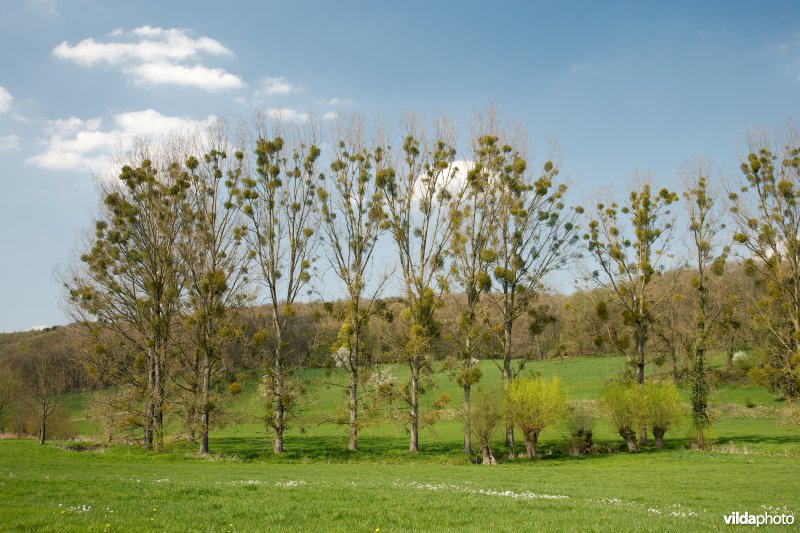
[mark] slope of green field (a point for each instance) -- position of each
(384, 438)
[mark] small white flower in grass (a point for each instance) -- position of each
(486, 492)
(289, 484)
(83, 508)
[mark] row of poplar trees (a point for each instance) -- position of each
(197, 227)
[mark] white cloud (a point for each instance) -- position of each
(10, 143)
(340, 101)
(286, 114)
(148, 44)
(279, 86)
(5, 100)
(78, 144)
(165, 73)
(158, 56)
(454, 177)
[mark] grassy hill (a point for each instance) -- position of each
(384, 438)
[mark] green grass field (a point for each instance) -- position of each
(317, 485)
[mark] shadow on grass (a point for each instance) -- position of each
(759, 439)
(393, 450)
(324, 449)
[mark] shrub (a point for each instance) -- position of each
(486, 412)
(742, 361)
(663, 409)
(789, 417)
(623, 404)
(580, 422)
(719, 377)
(59, 424)
(533, 404)
(115, 411)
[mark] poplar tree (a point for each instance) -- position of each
(630, 245)
(418, 199)
(128, 290)
(216, 273)
(766, 211)
(705, 225)
(472, 255)
(351, 214)
(279, 203)
(535, 236)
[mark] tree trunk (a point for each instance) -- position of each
(530, 445)
(658, 433)
(352, 443)
(488, 456)
(641, 338)
(148, 427)
(204, 449)
(699, 382)
(195, 408)
(158, 429)
(205, 406)
(467, 430)
(640, 342)
(413, 445)
(643, 436)
(279, 422)
(43, 425)
(278, 444)
(675, 373)
(510, 445)
(630, 439)
(149, 407)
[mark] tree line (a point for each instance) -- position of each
(200, 228)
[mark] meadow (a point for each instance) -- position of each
(753, 466)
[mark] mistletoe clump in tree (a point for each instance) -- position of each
(418, 199)
(536, 234)
(278, 202)
(351, 204)
(127, 291)
(766, 211)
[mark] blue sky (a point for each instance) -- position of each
(621, 87)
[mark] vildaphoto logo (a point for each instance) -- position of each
(764, 519)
